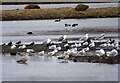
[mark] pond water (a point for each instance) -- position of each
(16, 30)
(45, 68)
(41, 68)
(91, 5)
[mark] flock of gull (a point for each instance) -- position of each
(82, 47)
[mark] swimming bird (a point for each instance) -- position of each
(29, 50)
(52, 47)
(100, 37)
(53, 52)
(92, 44)
(47, 41)
(23, 59)
(74, 25)
(66, 46)
(58, 48)
(84, 38)
(18, 43)
(114, 52)
(13, 47)
(62, 38)
(10, 43)
(100, 52)
(57, 20)
(41, 53)
(64, 57)
(71, 52)
(85, 43)
(111, 41)
(76, 45)
(22, 47)
(104, 45)
(30, 33)
(32, 43)
(84, 51)
(3, 44)
(66, 25)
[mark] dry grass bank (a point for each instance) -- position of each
(62, 13)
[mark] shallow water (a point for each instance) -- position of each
(16, 30)
(48, 68)
(91, 5)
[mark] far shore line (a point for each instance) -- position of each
(20, 3)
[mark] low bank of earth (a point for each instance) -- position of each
(59, 13)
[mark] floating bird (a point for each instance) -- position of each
(114, 52)
(71, 52)
(48, 41)
(10, 43)
(29, 33)
(87, 49)
(29, 50)
(66, 25)
(58, 48)
(92, 44)
(23, 59)
(53, 52)
(74, 25)
(84, 51)
(57, 20)
(18, 43)
(76, 45)
(65, 59)
(3, 44)
(41, 53)
(84, 38)
(61, 56)
(22, 47)
(66, 46)
(32, 43)
(100, 52)
(111, 41)
(62, 38)
(85, 43)
(13, 47)
(100, 37)
(52, 47)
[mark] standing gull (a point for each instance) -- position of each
(62, 38)
(100, 52)
(10, 43)
(23, 59)
(100, 37)
(84, 38)
(114, 52)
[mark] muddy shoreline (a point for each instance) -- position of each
(59, 13)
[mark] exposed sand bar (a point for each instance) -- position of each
(52, 1)
(62, 13)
